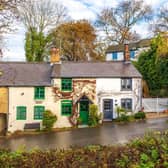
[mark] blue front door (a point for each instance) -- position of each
(108, 109)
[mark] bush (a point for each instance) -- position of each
(123, 118)
(120, 111)
(94, 117)
(148, 152)
(140, 115)
(48, 120)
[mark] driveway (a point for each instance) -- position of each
(107, 134)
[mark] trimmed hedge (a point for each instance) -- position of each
(140, 115)
(148, 152)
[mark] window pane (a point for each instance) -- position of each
(126, 104)
(21, 113)
(39, 93)
(66, 107)
(126, 83)
(66, 84)
(38, 112)
(132, 54)
(114, 54)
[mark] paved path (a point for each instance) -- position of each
(107, 134)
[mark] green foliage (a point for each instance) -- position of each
(148, 152)
(94, 117)
(139, 115)
(79, 121)
(36, 46)
(154, 70)
(120, 111)
(121, 114)
(48, 120)
(123, 118)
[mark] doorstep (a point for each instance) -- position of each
(83, 126)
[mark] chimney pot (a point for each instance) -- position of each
(55, 55)
(126, 52)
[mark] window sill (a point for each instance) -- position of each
(39, 99)
(66, 90)
(126, 90)
(65, 115)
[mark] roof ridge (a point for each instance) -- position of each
(22, 62)
(90, 62)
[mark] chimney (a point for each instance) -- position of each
(126, 52)
(55, 55)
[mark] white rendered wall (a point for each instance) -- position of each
(110, 88)
(24, 96)
(120, 55)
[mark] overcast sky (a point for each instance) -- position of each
(78, 9)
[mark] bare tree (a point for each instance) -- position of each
(7, 14)
(161, 24)
(118, 22)
(39, 18)
(7, 17)
(41, 15)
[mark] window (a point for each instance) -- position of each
(132, 54)
(66, 84)
(39, 93)
(21, 113)
(126, 84)
(66, 107)
(126, 104)
(38, 112)
(114, 56)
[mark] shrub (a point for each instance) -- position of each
(120, 111)
(123, 118)
(147, 152)
(94, 117)
(48, 120)
(79, 121)
(139, 115)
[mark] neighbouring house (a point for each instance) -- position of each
(67, 89)
(116, 52)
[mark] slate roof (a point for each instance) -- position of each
(95, 69)
(40, 74)
(132, 46)
(25, 74)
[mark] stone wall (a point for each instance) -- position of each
(81, 87)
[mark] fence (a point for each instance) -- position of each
(155, 104)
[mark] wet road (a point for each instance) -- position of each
(107, 134)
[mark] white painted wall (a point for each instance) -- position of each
(110, 88)
(120, 55)
(24, 96)
(105, 88)
(108, 56)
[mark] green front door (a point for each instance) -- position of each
(84, 112)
